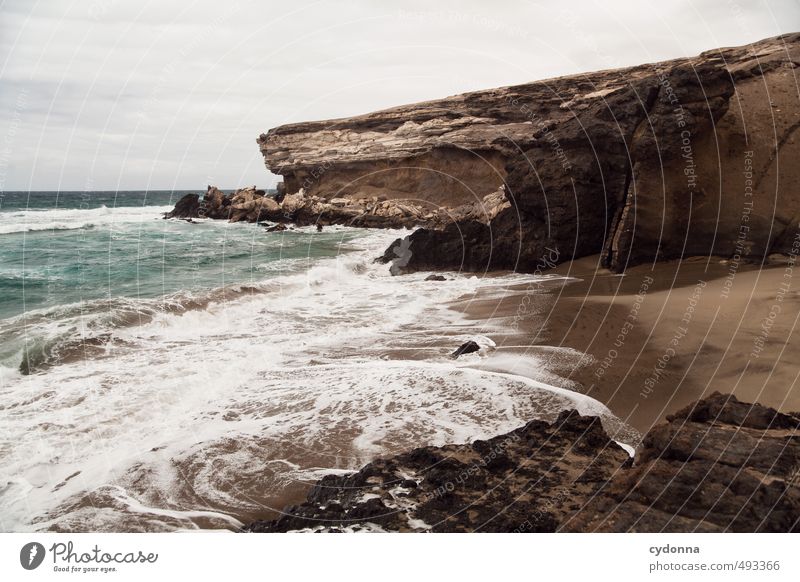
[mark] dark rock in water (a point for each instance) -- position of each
(187, 207)
(466, 348)
(277, 228)
(319, 227)
(389, 254)
(280, 189)
(718, 465)
(435, 278)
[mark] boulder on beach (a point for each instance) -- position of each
(466, 348)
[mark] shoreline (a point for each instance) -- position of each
(555, 331)
(717, 465)
(660, 336)
(713, 421)
(570, 325)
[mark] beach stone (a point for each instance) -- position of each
(466, 348)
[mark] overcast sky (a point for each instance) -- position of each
(113, 94)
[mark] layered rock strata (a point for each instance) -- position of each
(692, 156)
(718, 465)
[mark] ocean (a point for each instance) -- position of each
(159, 375)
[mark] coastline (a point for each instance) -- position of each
(356, 364)
(567, 323)
(661, 336)
(718, 465)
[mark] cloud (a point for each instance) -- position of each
(121, 94)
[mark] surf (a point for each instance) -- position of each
(207, 407)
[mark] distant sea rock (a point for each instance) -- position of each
(187, 207)
(253, 205)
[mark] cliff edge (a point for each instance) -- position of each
(692, 156)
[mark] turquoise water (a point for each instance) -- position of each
(69, 247)
(65, 256)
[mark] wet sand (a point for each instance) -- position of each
(661, 336)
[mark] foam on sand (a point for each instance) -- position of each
(208, 416)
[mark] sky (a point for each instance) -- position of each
(162, 94)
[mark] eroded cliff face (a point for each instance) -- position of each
(693, 156)
(717, 465)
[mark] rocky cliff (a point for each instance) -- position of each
(718, 465)
(253, 205)
(693, 156)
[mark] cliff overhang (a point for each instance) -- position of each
(684, 157)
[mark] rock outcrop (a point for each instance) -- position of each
(718, 465)
(692, 156)
(525, 480)
(187, 207)
(253, 205)
(216, 204)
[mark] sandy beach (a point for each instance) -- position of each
(661, 336)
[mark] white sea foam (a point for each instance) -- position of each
(70, 219)
(210, 411)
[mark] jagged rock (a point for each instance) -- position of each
(524, 480)
(187, 207)
(718, 465)
(280, 227)
(260, 209)
(649, 162)
(390, 254)
(245, 204)
(252, 205)
(436, 278)
(215, 204)
(293, 202)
